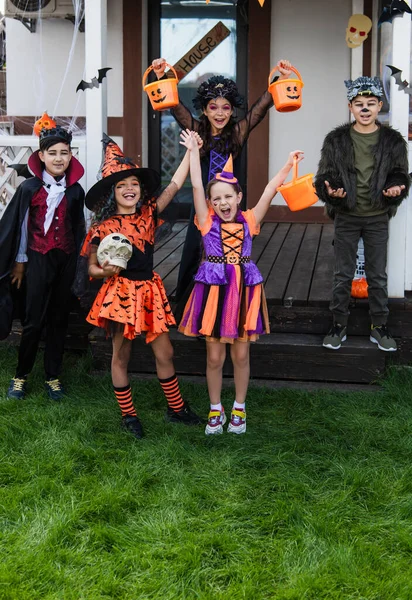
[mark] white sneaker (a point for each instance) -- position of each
(215, 422)
(237, 421)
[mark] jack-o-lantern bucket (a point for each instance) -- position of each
(163, 92)
(286, 93)
(300, 192)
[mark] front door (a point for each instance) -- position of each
(175, 28)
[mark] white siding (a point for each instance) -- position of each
(36, 63)
(312, 36)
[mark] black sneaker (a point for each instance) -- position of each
(17, 389)
(54, 389)
(335, 336)
(185, 415)
(380, 335)
(132, 424)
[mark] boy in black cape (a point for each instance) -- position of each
(41, 231)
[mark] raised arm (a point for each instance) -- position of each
(174, 186)
(258, 110)
(189, 140)
(271, 189)
(180, 113)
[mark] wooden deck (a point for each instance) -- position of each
(295, 259)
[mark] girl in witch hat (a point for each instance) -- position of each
(227, 304)
(132, 300)
(218, 99)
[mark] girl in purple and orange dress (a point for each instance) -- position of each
(227, 304)
(218, 98)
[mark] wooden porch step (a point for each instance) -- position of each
(297, 357)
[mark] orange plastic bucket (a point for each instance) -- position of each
(286, 93)
(300, 192)
(162, 93)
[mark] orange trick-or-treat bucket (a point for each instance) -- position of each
(300, 192)
(163, 92)
(286, 93)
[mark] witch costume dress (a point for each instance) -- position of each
(133, 301)
(227, 302)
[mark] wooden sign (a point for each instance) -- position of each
(200, 50)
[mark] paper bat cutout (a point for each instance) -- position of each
(394, 9)
(22, 170)
(402, 84)
(95, 82)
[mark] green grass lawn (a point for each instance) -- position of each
(314, 502)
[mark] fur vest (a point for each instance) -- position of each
(337, 165)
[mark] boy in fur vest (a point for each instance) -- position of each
(362, 178)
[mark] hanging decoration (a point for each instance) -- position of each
(357, 30)
(394, 9)
(402, 84)
(95, 82)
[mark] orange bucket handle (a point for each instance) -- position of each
(295, 169)
(275, 69)
(146, 73)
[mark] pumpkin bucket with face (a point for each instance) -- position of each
(45, 122)
(286, 93)
(162, 93)
(300, 192)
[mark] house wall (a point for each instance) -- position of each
(36, 65)
(312, 36)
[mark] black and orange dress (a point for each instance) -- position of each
(133, 301)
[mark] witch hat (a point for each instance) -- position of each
(227, 174)
(115, 167)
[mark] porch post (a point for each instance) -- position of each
(357, 53)
(96, 98)
(398, 119)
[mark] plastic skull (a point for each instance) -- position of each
(115, 248)
(357, 31)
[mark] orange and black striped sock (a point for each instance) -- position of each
(124, 398)
(171, 390)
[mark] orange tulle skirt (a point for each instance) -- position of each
(133, 307)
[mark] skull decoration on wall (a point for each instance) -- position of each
(115, 248)
(357, 31)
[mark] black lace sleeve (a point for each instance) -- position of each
(253, 117)
(184, 117)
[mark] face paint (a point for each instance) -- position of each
(364, 110)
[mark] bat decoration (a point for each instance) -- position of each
(394, 9)
(95, 82)
(21, 170)
(402, 84)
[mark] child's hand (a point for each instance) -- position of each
(392, 192)
(298, 154)
(198, 139)
(159, 67)
(188, 139)
(110, 270)
(338, 193)
(284, 68)
(17, 274)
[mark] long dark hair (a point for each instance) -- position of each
(227, 143)
(107, 206)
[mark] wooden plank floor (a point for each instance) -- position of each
(295, 259)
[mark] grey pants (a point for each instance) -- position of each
(374, 231)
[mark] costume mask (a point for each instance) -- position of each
(116, 248)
